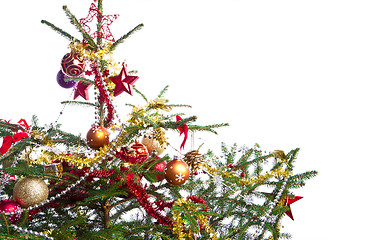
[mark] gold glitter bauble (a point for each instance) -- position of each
(30, 191)
(153, 145)
(176, 172)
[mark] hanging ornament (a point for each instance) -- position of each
(72, 64)
(30, 191)
(9, 206)
(54, 168)
(61, 80)
(193, 159)
(136, 152)
(288, 202)
(176, 172)
(123, 82)
(81, 90)
(153, 146)
(97, 137)
(160, 167)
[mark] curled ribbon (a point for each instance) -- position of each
(9, 140)
(183, 130)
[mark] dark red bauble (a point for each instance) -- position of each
(9, 206)
(97, 137)
(176, 172)
(72, 64)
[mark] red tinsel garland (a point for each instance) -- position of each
(102, 95)
(142, 196)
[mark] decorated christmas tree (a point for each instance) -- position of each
(125, 179)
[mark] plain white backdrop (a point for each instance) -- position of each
(284, 74)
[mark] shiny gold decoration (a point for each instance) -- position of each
(30, 191)
(153, 145)
(193, 159)
(176, 172)
(180, 230)
(97, 137)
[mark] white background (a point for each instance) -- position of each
(283, 73)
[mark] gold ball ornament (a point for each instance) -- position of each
(97, 137)
(153, 145)
(176, 172)
(30, 191)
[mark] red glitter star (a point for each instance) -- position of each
(106, 20)
(81, 90)
(123, 82)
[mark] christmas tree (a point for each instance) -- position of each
(125, 179)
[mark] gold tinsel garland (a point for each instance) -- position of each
(76, 159)
(248, 181)
(178, 226)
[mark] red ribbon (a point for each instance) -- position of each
(9, 140)
(183, 129)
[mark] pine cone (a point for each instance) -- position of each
(193, 159)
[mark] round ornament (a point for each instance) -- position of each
(136, 152)
(176, 172)
(72, 64)
(9, 206)
(61, 80)
(30, 191)
(160, 167)
(153, 146)
(139, 149)
(97, 137)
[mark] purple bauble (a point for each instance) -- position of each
(9, 206)
(61, 80)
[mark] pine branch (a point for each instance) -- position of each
(121, 39)
(163, 91)
(60, 31)
(77, 24)
(208, 128)
(140, 93)
(87, 104)
(80, 79)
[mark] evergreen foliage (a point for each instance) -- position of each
(110, 193)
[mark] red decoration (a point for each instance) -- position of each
(9, 140)
(183, 130)
(288, 202)
(123, 82)
(9, 206)
(160, 167)
(103, 96)
(106, 20)
(142, 197)
(81, 90)
(72, 64)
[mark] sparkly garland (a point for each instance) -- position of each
(104, 94)
(142, 197)
(178, 226)
(248, 181)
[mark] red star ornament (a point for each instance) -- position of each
(81, 90)
(288, 202)
(105, 32)
(123, 82)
